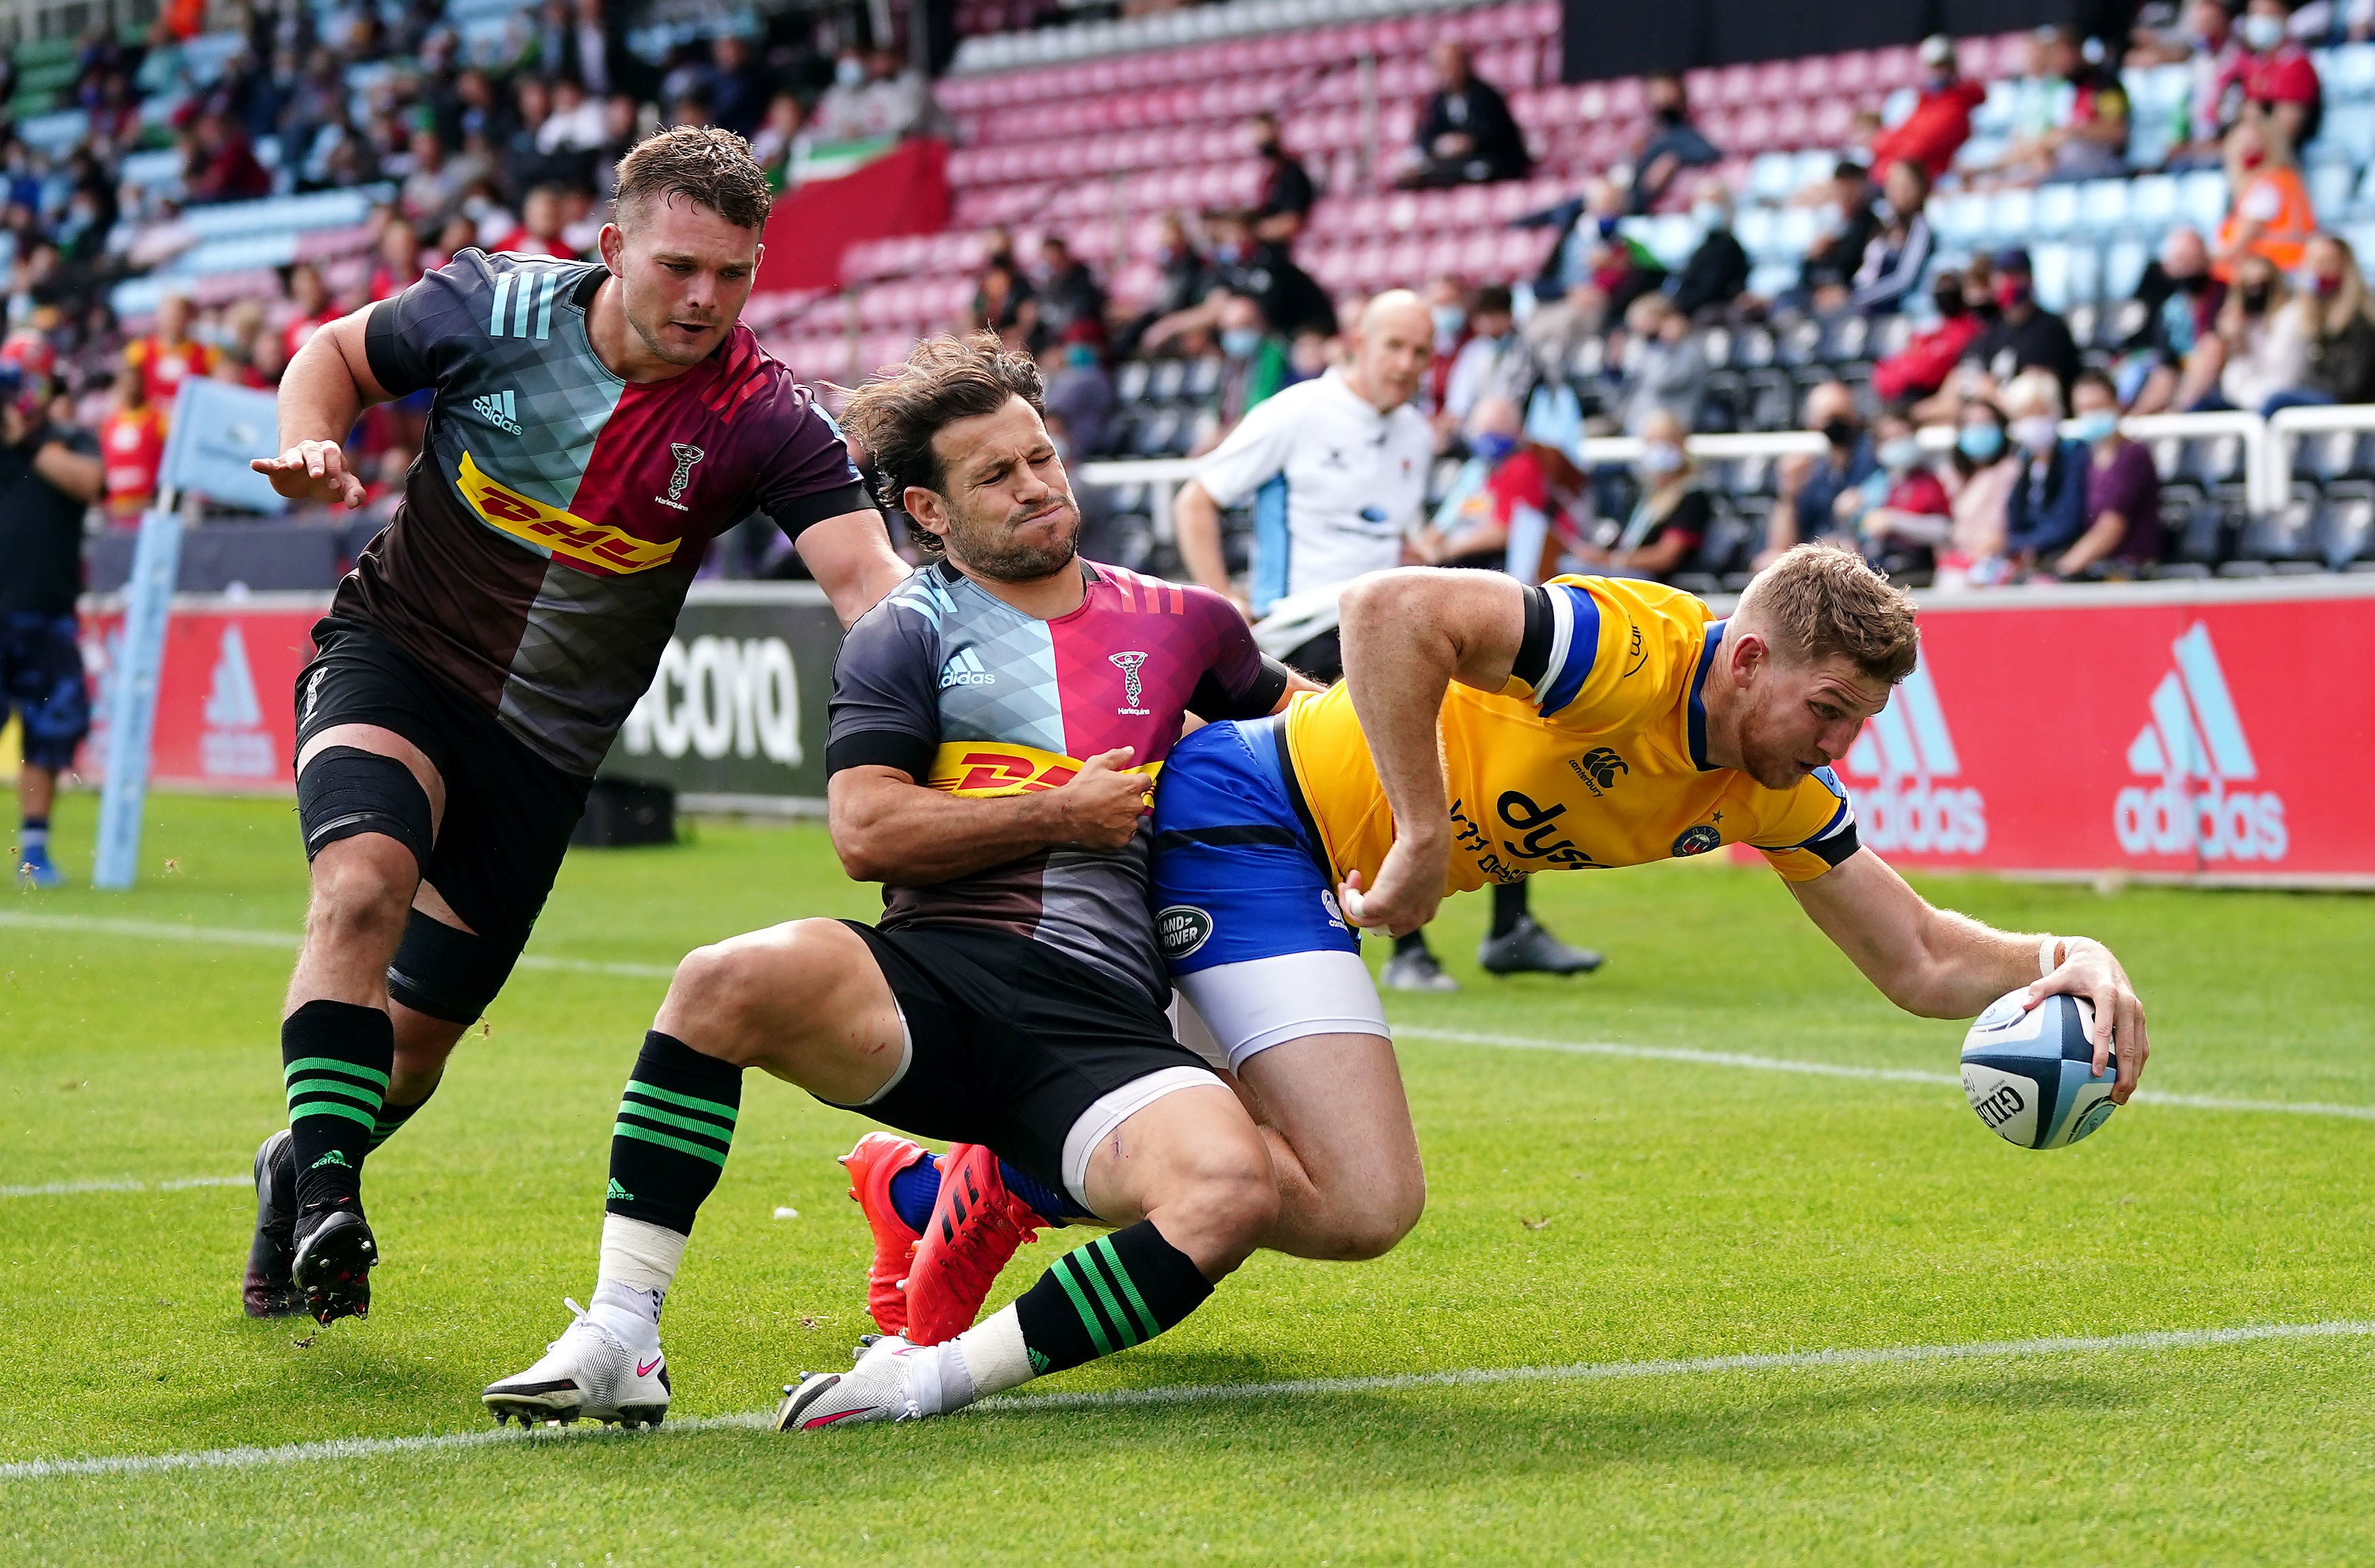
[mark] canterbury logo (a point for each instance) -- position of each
(596, 546)
(498, 409)
(1601, 765)
(686, 456)
(964, 668)
(1128, 664)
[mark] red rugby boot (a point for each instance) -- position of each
(974, 1228)
(878, 1156)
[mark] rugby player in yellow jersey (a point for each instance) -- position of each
(1485, 731)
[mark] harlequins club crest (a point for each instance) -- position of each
(1128, 665)
(686, 456)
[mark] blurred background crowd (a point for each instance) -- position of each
(1961, 262)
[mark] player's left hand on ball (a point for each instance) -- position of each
(2088, 969)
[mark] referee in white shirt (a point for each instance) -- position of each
(1336, 468)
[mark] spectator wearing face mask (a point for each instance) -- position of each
(1253, 362)
(1979, 476)
(2268, 212)
(1940, 120)
(1922, 367)
(1669, 144)
(2181, 300)
(1665, 368)
(1899, 254)
(1284, 205)
(1669, 522)
(1718, 271)
(2075, 113)
(2211, 51)
(1078, 389)
(2047, 510)
(1466, 134)
(2331, 300)
(2280, 82)
(2260, 348)
(2122, 531)
(2024, 335)
(1810, 486)
(1492, 343)
(1899, 515)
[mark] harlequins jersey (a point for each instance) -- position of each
(959, 689)
(557, 513)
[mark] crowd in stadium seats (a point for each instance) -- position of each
(1948, 233)
(1179, 230)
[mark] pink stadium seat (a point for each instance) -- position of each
(1773, 81)
(1811, 78)
(1851, 73)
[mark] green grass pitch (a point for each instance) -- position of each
(1584, 1209)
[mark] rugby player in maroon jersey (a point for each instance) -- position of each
(595, 425)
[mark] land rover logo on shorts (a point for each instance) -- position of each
(1181, 929)
(1697, 841)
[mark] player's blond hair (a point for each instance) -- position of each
(1819, 601)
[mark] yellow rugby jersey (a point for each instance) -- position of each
(1593, 755)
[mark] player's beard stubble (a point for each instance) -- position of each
(990, 548)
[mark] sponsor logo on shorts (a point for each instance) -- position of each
(1699, 840)
(1335, 914)
(1181, 929)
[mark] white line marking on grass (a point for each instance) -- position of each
(1836, 1069)
(1474, 1377)
(124, 1184)
(240, 937)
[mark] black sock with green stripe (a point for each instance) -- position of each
(1120, 1291)
(676, 1122)
(392, 1116)
(335, 1058)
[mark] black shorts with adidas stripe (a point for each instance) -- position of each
(508, 816)
(1014, 1042)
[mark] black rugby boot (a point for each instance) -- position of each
(267, 1290)
(332, 1267)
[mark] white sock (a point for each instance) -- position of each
(989, 1358)
(639, 1264)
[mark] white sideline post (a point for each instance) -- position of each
(130, 700)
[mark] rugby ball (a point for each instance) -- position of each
(2030, 1072)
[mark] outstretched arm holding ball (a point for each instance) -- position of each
(1940, 964)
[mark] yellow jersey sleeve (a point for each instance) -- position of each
(1813, 828)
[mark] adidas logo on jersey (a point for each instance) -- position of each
(1905, 751)
(2193, 745)
(964, 669)
(499, 409)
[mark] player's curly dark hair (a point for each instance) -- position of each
(898, 411)
(703, 163)
(1823, 602)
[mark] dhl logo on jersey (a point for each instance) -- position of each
(611, 551)
(979, 768)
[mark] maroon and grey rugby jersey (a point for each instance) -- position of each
(557, 513)
(959, 689)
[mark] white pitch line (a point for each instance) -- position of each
(1836, 1069)
(1474, 1378)
(126, 1184)
(240, 937)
